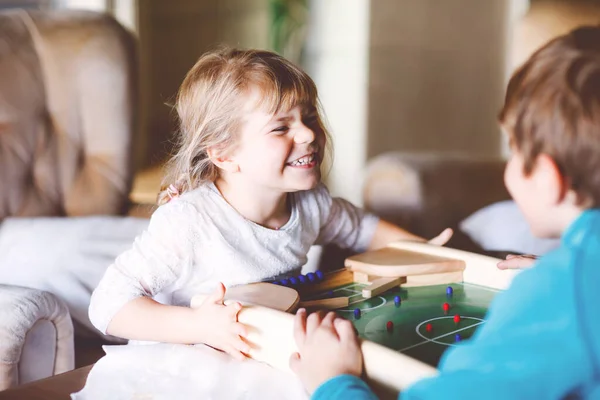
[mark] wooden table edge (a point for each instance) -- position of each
(54, 387)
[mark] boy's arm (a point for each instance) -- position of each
(529, 347)
(329, 358)
(344, 387)
(522, 261)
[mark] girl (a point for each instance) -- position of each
(244, 203)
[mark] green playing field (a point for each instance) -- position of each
(419, 307)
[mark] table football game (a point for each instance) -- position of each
(409, 302)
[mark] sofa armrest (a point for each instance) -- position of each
(426, 193)
(36, 336)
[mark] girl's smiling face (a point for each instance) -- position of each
(281, 151)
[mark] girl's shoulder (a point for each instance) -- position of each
(197, 195)
(317, 197)
(193, 202)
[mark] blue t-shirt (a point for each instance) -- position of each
(541, 339)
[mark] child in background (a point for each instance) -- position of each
(541, 339)
(244, 203)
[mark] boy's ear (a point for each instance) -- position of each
(222, 159)
(550, 180)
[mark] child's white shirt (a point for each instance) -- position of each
(197, 240)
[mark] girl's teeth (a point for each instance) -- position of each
(304, 160)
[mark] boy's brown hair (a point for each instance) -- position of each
(552, 107)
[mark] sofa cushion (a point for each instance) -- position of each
(64, 256)
(502, 227)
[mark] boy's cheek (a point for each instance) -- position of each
(510, 178)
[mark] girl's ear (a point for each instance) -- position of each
(222, 159)
(550, 180)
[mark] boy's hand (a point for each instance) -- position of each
(327, 347)
(219, 327)
(517, 262)
(442, 238)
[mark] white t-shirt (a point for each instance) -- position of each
(197, 240)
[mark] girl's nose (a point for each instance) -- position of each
(304, 135)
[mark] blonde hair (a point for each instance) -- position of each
(209, 102)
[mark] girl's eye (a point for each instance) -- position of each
(281, 129)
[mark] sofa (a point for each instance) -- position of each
(67, 121)
(428, 192)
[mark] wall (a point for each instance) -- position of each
(408, 75)
(336, 57)
(542, 21)
(173, 35)
(547, 19)
(424, 75)
(436, 75)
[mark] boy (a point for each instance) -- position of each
(542, 335)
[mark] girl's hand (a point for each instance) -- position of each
(518, 261)
(219, 326)
(442, 238)
(327, 347)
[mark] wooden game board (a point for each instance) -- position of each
(404, 264)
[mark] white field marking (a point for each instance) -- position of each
(434, 340)
(356, 294)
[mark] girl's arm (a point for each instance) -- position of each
(386, 233)
(146, 319)
(212, 323)
(122, 304)
(156, 260)
(352, 227)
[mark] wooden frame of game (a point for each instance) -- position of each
(270, 330)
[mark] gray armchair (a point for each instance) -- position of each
(67, 114)
(36, 336)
